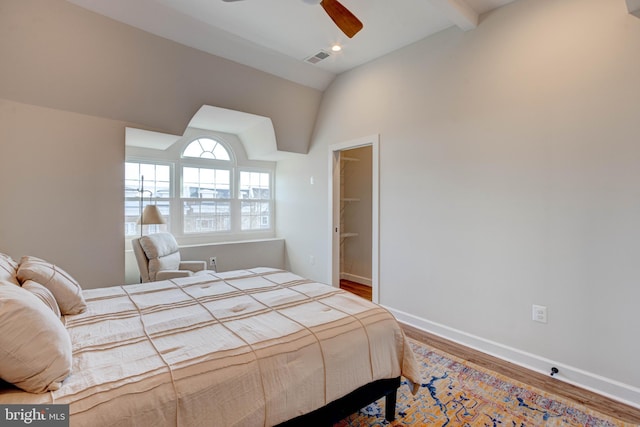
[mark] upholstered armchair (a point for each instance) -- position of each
(158, 258)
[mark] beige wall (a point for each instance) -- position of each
(61, 188)
(59, 55)
(70, 81)
(229, 256)
(509, 176)
(521, 135)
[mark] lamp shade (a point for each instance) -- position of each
(151, 215)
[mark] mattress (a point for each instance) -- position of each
(244, 348)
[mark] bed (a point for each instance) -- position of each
(256, 347)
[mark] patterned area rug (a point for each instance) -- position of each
(459, 393)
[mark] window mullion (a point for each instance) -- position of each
(217, 188)
(235, 215)
(235, 202)
(176, 204)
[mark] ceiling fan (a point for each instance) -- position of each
(341, 16)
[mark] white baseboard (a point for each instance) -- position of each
(613, 389)
(357, 279)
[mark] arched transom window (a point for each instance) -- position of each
(206, 148)
(211, 195)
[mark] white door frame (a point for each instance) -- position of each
(334, 209)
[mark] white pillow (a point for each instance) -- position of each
(8, 269)
(35, 348)
(64, 288)
(43, 295)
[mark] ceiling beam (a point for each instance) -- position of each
(634, 7)
(460, 13)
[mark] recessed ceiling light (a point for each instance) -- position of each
(336, 48)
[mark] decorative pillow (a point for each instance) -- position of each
(44, 295)
(64, 288)
(35, 348)
(8, 269)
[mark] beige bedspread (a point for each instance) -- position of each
(244, 348)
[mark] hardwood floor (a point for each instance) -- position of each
(547, 383)
(363, 291)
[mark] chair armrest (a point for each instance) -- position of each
(193, 266)
(172, 274)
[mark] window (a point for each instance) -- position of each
(255, 196)
(206, 199)
(157, 190)
(201, 190)
(206, 148)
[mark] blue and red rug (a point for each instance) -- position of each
(459, 393)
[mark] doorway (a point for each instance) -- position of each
(354, 215)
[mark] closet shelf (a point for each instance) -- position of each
(343, 235)
(350, 199)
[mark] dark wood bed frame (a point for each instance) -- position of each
(352, 402)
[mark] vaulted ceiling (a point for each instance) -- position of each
(279, 36)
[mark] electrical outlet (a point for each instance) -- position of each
(213, 262)
(539, 313)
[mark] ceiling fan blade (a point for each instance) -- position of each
(344, 19)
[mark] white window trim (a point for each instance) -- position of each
(237, 164)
